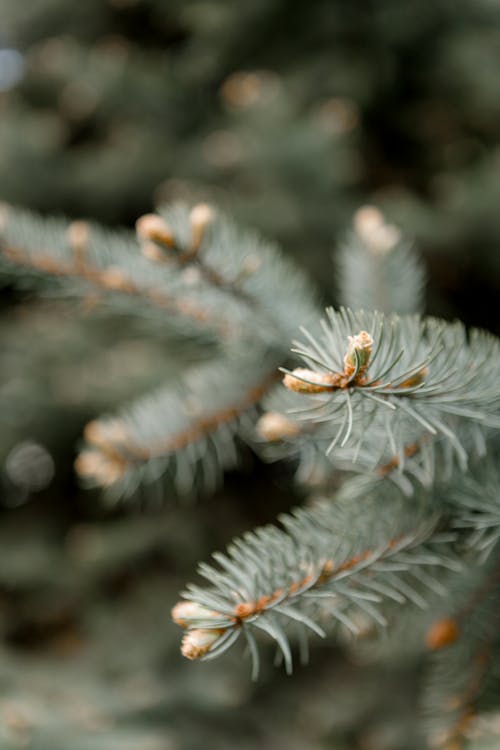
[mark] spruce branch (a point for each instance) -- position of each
(242, 266)
(427, 372)
(401, 454)
(195, 265)
(377, 269)
(327, 560)
(185, 435)
(84, 256)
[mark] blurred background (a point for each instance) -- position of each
(289, 116)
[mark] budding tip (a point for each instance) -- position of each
(104, 469)
(198, 642)
(154, 228)
(78, 233)
(200, 217)
(273, 426)
(309, 381)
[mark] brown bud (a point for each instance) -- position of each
(442, 633)
(274, 426)
(155, 228)
(197, 643)
(318, 382)
(200, 218)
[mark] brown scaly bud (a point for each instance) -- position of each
(101, 467)
(442, 633)
(362, 346)
(196, 643)
(186, 614)
(318, 382)
(200, 217)
(154, 228)
(273, 426)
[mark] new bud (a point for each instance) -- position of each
(309, 381)
(102, 468)
(273, 426)
(379, 237)
(186, 614)
(104, 433)
(197, 643)
(78, 234)
(359, 351)
(152, 227)
(200, 218)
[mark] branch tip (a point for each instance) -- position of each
(273, 426)
(196, 643)
(200, 217)
(154, 228)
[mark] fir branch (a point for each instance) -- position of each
(377, 269)
(187, 434)
(288, 430)
(272, 578)
(107, 261)
(427, 372)
(193, 265)
(249, 269)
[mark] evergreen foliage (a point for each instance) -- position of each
(407, 402)
(219, 391)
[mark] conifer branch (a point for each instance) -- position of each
(377, 269)
(193, 265)
(272, 578)
(288, 430)
(187, 434)
(427, 372)
(98, 260)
